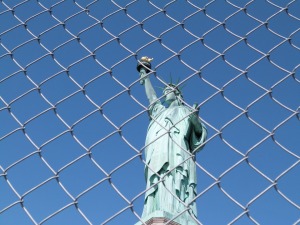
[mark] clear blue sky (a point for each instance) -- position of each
(61, 61)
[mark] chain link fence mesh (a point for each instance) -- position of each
(73, 116)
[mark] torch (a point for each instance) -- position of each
(144, 66)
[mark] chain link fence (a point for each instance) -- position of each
(73, 116)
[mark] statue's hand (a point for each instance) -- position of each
(143, 76)
(195, 110)
(194, 117)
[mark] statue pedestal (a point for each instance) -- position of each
(160, 221)
(159, 218)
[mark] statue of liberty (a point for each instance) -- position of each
(174, 135)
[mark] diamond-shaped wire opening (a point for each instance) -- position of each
(61, 151)
(64, 10)
(55, 36)
(22, 13)
(261, 10)
(10, 124)
(46, 193)
(17, 174)
(281, 211)
(71, 212)
(75, 108)
(214, 212)
(43, 70)
(10, 215)
(15, 85)
(87, 174)
(258, 112)
(96, 126)
(271, 159)
(18, 36)
(44, 127)
(96, 206)
(79, 22)
(41, 22)
(21, 110)
(285, 50)
(10, 196)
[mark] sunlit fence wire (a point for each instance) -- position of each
(73, 116)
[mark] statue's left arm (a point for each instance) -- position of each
(199, 132)
(197, 125)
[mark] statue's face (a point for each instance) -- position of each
(170, 94)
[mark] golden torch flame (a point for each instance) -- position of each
(146, 59)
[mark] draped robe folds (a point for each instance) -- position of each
(170, 141)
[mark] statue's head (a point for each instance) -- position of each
(172, 92)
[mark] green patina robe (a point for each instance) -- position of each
(170, 141)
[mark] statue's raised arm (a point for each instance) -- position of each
(144, 66)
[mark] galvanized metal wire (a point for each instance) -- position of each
(73, 114)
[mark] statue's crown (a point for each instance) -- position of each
(173, 86)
